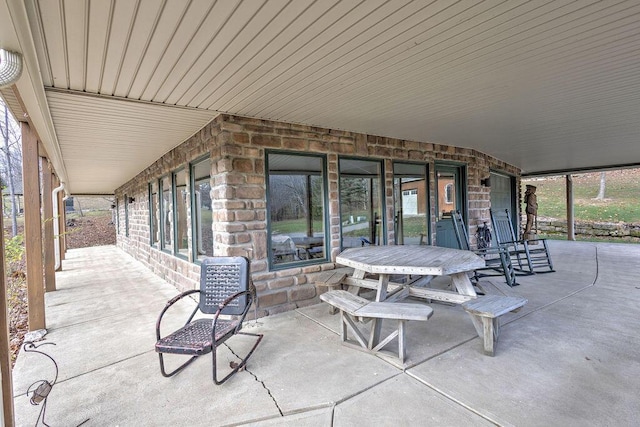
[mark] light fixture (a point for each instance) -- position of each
(486, 181)
(10, 67)
(131, 199)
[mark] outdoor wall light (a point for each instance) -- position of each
(10, 67)
(131, 199)
(486, 181)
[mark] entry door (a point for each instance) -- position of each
(502, 195)
(449, 197)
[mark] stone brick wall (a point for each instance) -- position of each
(606, 230)
(237, 147)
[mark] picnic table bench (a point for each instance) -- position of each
(353, 307)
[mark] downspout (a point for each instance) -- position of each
(56, 225)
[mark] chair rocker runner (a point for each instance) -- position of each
(531, 257)
(227, 294)
(496, 259)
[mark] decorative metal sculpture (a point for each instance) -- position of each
(41, 389)
(531, 209)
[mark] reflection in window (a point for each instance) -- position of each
(153, 213)
(202, 210)
(166, 212)
(410, 203)
(296, 201)
(181, 239)
(361, 206)
(448, 193)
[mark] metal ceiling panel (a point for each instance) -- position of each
(543, 85)
(100, 134)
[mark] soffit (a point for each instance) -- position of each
(542, 85)
(106, 142)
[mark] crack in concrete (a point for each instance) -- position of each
(255, 377)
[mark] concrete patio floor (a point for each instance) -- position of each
(570, 357)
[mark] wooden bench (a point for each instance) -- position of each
(353, 307)
(485, 313)
(332, 280)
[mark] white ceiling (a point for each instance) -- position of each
(543, 85)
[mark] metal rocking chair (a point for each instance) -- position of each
(226, 293)
(496, 259)
(530, 257)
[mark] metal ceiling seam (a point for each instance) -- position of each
(300, 78)
(190, 62)
(278, 28)
(216, 65)
(395, 79)
(296, 43)
(143, 53)
(270, 56)
(175, 38)
(357, 78)
(313, 62)
(401, 51)
(172, 17)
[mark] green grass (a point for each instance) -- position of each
(621, 204)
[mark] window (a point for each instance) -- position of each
(166, 213)
(448, 194)
(361, 207)
(181, 230)
(202, 212)
(296, 208)
(154, 231)
(411, 203)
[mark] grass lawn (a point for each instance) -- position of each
(621, 203)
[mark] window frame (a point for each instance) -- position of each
(382, 195)
(153, 213)
(325, 212)
(195, 239)
(163, 240)
(176, 211)
(427, 178)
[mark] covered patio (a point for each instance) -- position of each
(569, 357)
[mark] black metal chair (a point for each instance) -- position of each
(227, 293)
(496, 259)
(531, 254)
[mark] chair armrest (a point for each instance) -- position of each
(171, 302)
(250, 295)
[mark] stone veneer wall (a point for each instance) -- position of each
(237, 148)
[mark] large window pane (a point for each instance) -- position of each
(202, 209)
(181, 240)
(154, 229)
(166, 212)
(361, 207)
(411, 203)
(296, 208)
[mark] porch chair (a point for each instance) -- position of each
(227, 293)
(532, 255)
(496, 259)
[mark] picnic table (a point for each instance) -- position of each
(416, 263)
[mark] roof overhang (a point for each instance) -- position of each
(549, 87)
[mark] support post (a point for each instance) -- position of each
(7, 415)
(48, 218)
(32, 229)
(571, 235)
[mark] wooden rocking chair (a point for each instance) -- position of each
(226, 293)
(496, 259)
(531, 254)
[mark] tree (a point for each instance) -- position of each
(10, 161)
(603, 179)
